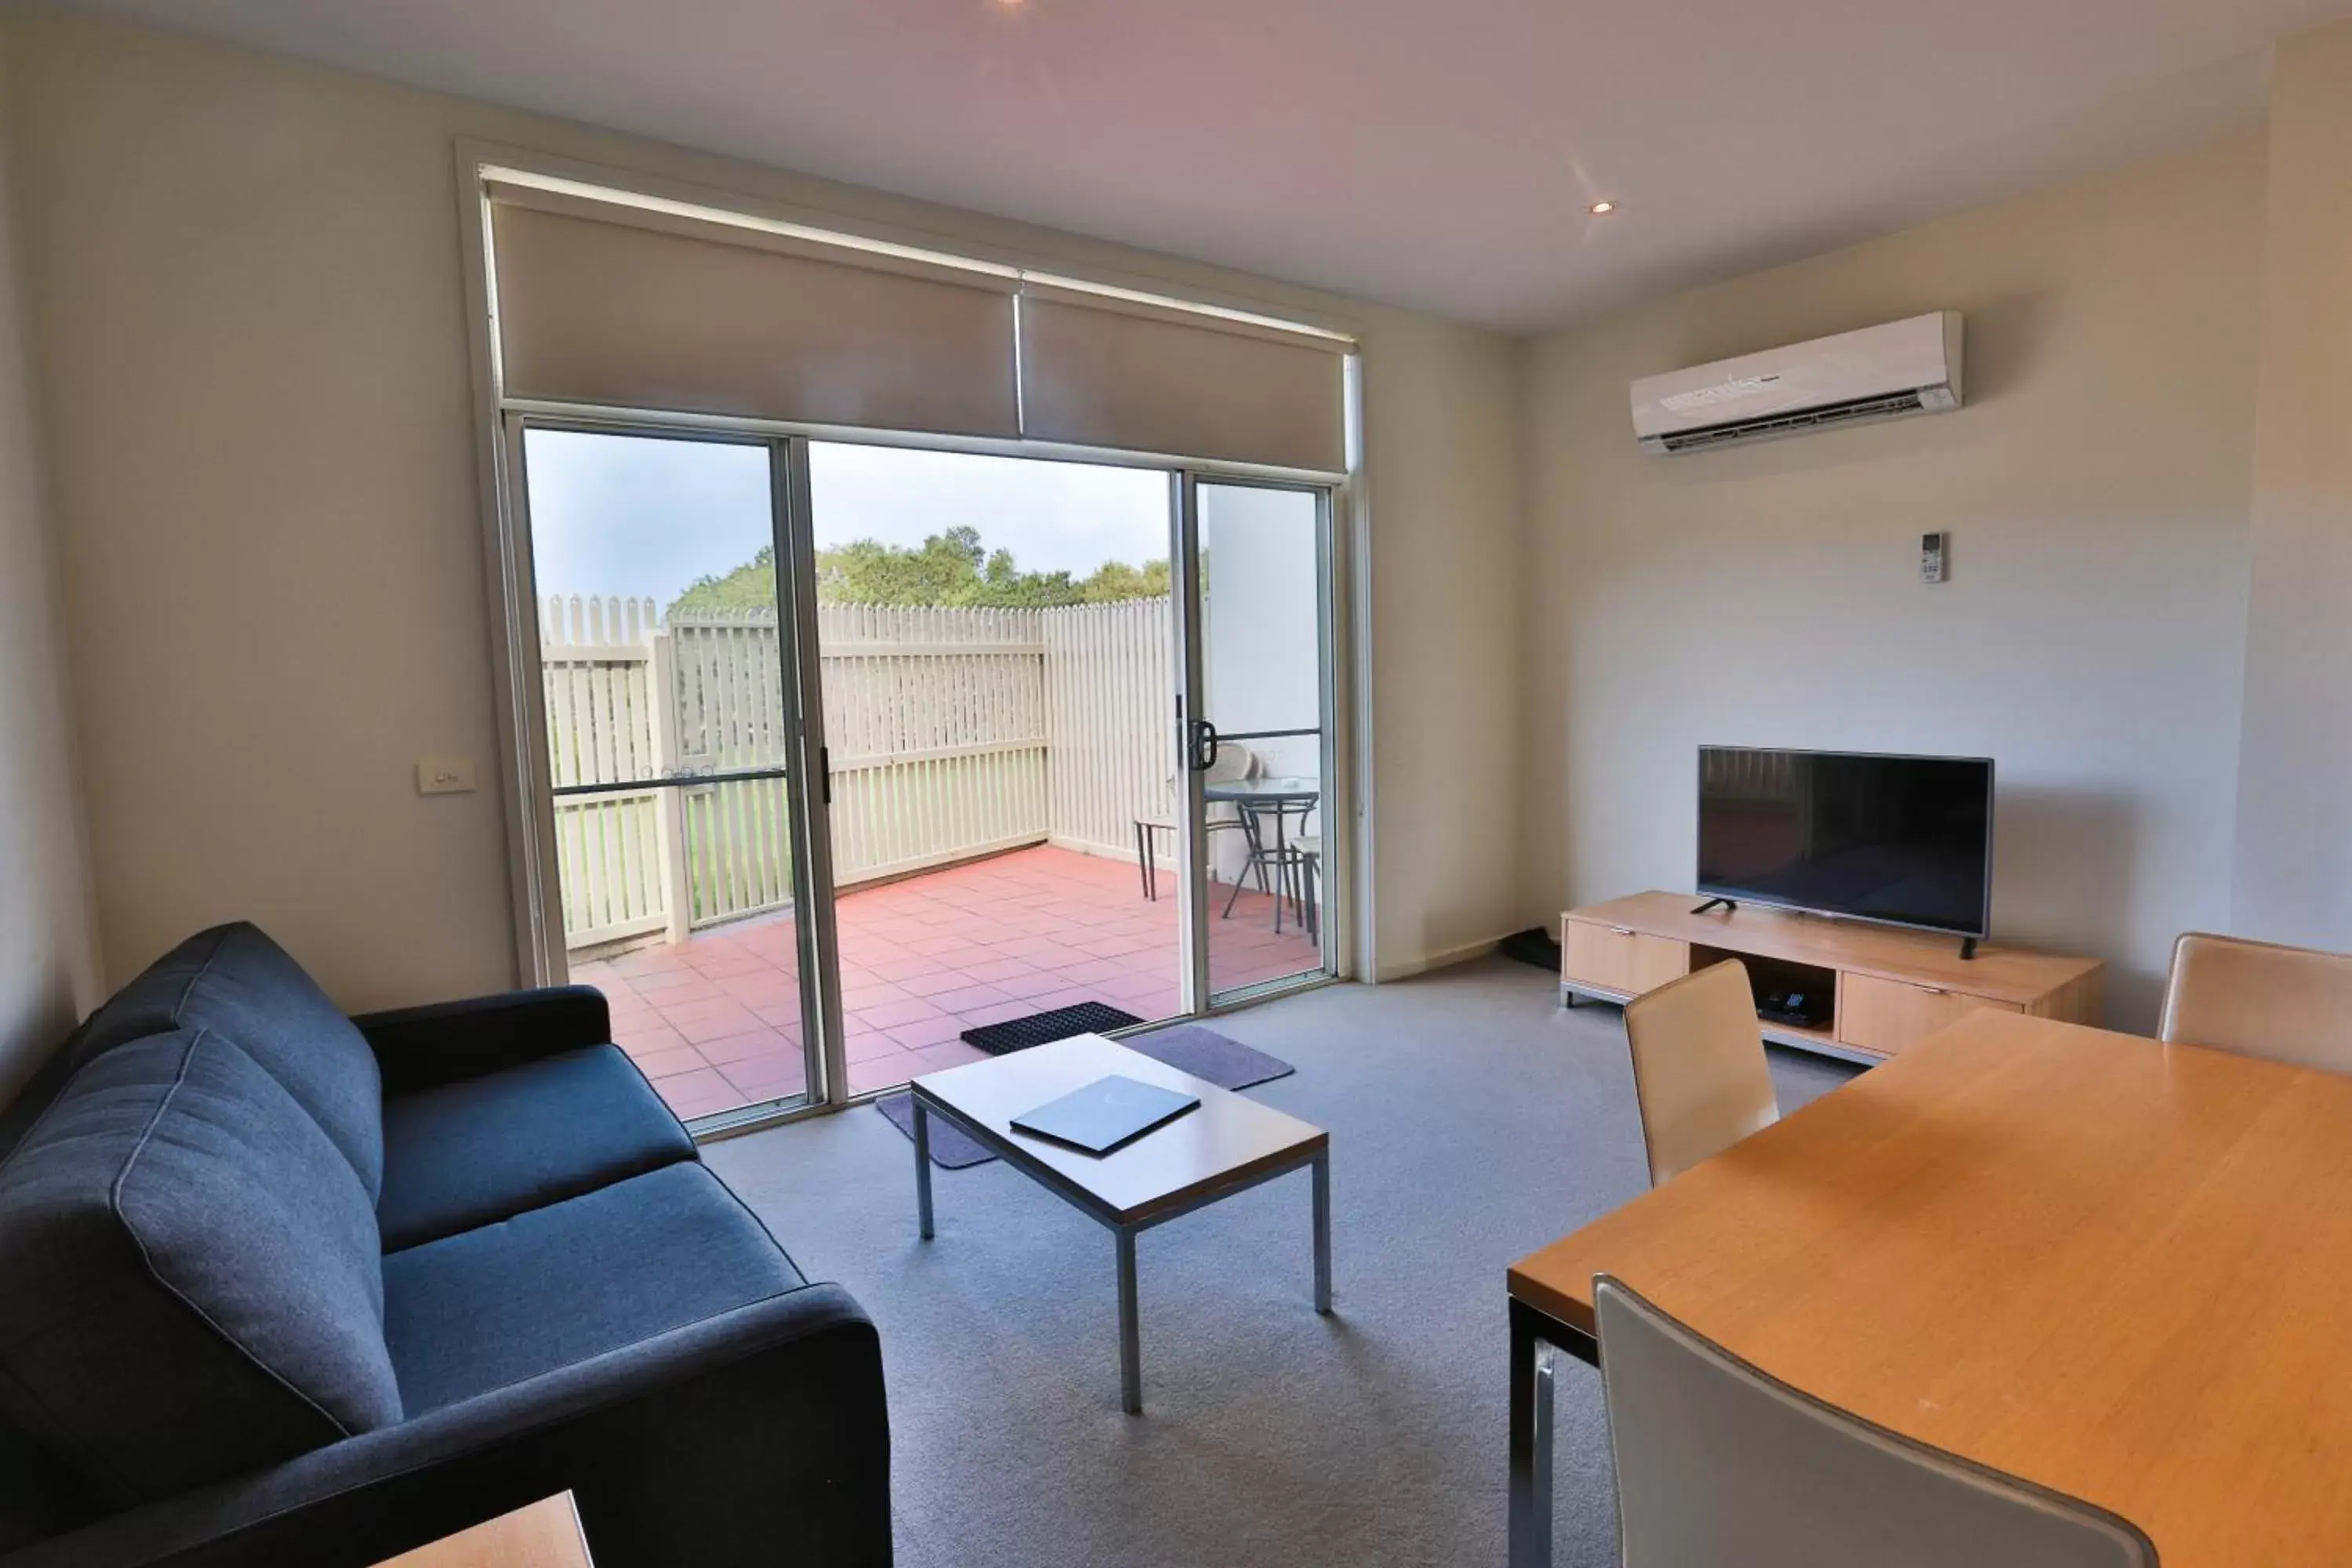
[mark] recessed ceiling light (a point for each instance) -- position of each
(1601, 210)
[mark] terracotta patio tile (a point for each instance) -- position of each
(861, 1043)
(716, 1026)
(885, 1072)
(1037, 982)
(691, 1084)
(1134, 987)
(927, 1031)
(678, 1059)
(640, 1038)
(767, 1077)
(897, 967)
(969, 996)
(687, 1012)
(952, 1054)
(684, 986)
(732, 1048)
(890, 1013)
(939, 980)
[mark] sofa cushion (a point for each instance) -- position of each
(234, 980)
(193, 1286)
(486, 1307)
(463, 1154)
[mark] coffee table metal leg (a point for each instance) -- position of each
(923, 1168)
(1130, 1335)
(1323, 1232)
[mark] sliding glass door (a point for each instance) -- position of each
(1258, 744)
(1064, 728)
(997, 650)
(668, 713)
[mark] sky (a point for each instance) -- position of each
(642, 516)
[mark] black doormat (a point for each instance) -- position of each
(1045, 1028)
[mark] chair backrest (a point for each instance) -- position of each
(1699, 1068)
(2290, 1004)
(1719, 1462)
(1235, 763)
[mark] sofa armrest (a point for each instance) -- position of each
(757, 1435)
(417, 1048)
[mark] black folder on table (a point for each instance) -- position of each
(1107, 1113)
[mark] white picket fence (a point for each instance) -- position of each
(951, 733)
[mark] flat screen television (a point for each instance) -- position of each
(1904, 841)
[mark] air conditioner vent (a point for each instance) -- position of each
(1860, 408)
(1876, 372)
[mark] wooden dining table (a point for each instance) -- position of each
(2119, 1269)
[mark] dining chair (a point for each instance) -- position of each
(2258, 999)
(1718, 1462)
(1699, 1068)
(1234, 764)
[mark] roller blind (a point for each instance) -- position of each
(1102, 371)
(632, 310)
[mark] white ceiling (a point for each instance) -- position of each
(1438, 154)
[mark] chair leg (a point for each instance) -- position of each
(1234, 898)
(1253, 831)
(1143, 862)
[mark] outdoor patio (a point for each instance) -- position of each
(715, 1020)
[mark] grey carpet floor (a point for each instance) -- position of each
(1472, 1120)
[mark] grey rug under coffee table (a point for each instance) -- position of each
(1222, 1146)
(1187, 1047)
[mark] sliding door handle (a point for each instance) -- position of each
(1202, 746)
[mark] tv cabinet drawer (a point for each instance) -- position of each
(1889, 1015)
(1615, 959)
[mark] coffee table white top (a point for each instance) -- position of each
(1227, 1138)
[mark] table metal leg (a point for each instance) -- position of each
(1130, 1337)
(923, 1169)
(1534, 1365)
(1323, 1232)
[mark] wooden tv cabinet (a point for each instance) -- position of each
(1893, 987)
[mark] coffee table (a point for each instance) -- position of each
(1222, 1147)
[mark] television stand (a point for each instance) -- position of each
(1731, 904)
(1967, 947)
(1891, 987)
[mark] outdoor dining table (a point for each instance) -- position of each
(1277, 794)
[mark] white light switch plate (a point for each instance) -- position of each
(445, 775)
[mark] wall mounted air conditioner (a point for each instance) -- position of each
(1878, 373)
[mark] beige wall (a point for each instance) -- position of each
(1445, 694)
(47, 956)
(248, 274)
(2294, 880)
(2091, 635)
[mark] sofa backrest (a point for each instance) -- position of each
(236, 982)
(194, 1285)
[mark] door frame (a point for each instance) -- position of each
(541, 958)
(531, 801)
(1336, 882)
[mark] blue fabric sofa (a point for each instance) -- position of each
(277, 1286)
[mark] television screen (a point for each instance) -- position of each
(1905, 840)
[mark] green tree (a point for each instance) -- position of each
(950, 568)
